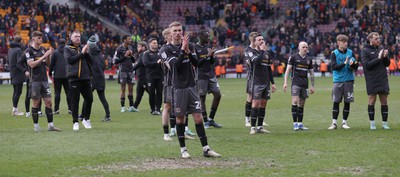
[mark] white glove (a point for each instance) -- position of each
(380, 54)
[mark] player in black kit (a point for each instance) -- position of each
(207, 82)
(181, 59)
(301, 65)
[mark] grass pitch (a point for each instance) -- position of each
(132, 145)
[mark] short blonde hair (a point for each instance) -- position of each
(166, 32)
(253, 35)
(174, 24)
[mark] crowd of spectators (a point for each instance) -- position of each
(300, 23)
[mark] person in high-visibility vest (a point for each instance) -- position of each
(398, 65)
(217, 71)
(280, 70)
(323, 68)
(392, 67)
(239, 70)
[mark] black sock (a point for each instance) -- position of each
(166, 129)
(254, 114)
(49, 114)
(202, 134)
(261, 115)
(294, 113)
(204, 114)
(130, 97)
(248, 109)
(335, 111)
(385, 112)
(371, 112)
(212, 113)
(186, 120)
(300, 113)
(123, 102)
(346, 110)
(35, 115)
(180, 131)
(172, 120)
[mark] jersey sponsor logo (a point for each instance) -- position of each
(372, 53)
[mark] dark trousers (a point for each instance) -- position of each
(140, 88)
(155, 88)
(16, 94)
(58, 84)
(102, 97)
(77, 88)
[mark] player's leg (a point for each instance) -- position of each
(371, 110)
(152, 95)
(384, 110)
(214, 89)
(165, 121)
(130, 97)
(87, 94)
(65, 84)
(102, 97)
(337, 96)
(15, 99)
(122, 96)
(207, 152)
(57, 95)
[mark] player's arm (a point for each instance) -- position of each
(121, 55)
(385, 58)
(21, 64)
(52, 63)
(288, 69)
(193, 58)
(312, 79)
(271, 78)
(70, 57)
(354, 64)
(139, 63)
(367, 62)
(334, 64)
(147, 61)
(32, 63)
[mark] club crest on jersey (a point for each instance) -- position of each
(42, 51)
(250, 54)
(177, 110)
(308, 62)
(27, 55)
(164, 55)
